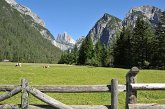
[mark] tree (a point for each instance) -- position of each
(82, 54)
(149, 45)
(97, 60)
(106, 56)
(142, 43)
(122, 49)
(67, 57)
(75, 54)
(86, 52)
(159, 55)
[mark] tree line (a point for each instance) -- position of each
(142, 46)
(87, 54)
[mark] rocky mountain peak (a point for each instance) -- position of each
(149, 13)
(105, 28)
(106, 16)
(64, 41)
(65, 38)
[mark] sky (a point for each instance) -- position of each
(77, 17)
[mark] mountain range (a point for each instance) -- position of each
(106, 29)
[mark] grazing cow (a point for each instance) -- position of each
(46, 66)
(18, 65)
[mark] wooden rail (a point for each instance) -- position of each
(155, 86)
(69, 89)
(11, 106)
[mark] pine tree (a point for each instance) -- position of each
(82, 54)
(86, 52)
(89, 51)
(75, 54)
(137, 42)
(106, 56)
(122, 50)
(159, 58)
(149, 45)
(142, 43)
(97, 60)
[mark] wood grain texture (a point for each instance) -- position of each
(45, 98)
(155, 86)
(146, 106)
(11, 93)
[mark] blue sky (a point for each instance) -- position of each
(77, 17)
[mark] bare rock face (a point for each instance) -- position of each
(109, 27)
(150, 14)
(32, 19)
(105, 29)
(26, 11)
(65, 38)
(64, 41)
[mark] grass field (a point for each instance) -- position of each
(79, 75)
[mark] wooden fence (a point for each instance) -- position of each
(130, 88)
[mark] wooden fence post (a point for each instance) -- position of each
(114, 94)
(131, 95)
(24, 96)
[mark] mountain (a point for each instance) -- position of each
(64, 41)
(108, 27)
(105, 29)
(21, 39)
(150, 14)
(33, 19)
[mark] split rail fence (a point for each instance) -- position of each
(131, 88)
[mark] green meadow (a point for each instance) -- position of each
(79, 75)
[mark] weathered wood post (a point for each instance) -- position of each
(114, 94)
(24, 97)
(131, 95)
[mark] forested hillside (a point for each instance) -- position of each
(20, 41)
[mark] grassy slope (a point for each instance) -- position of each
(76, 75)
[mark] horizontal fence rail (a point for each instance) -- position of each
(146, 106)
(155, 86)
(49, 107)
(69, 89)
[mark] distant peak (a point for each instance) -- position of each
(65, 38)
(145, 8)
(106, 16)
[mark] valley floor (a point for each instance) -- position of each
(79, 75)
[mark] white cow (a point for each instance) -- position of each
(18, 65)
